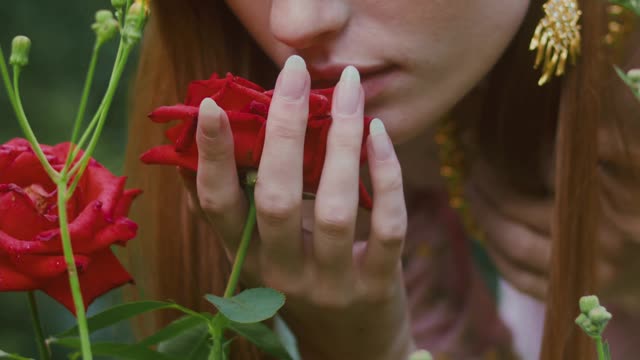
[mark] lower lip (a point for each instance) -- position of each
(375, 84)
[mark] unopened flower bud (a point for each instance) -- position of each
(587, 325)
(118, 3)
(20, 47)
(634, 74)
(135, 19)
(582, 319)
(588, 303)
(105, 26)
(600, 316)
(421, 355)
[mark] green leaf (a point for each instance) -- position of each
(250, 306)
(607, 351)
(116, 350)
(192, 344)
(263, 337)
(118, 313)
(174, 329)
(287, 337)
(6, 355)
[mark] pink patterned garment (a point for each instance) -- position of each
(453, 313)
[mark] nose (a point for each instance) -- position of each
(302, 24)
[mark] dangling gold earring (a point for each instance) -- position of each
(557, 38)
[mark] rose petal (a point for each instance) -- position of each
(122, 209)
(13, 280)
(245, 128)
(103, 186)
(167, 155)
(165, 114)
(103, 274)
(26, 170)
(19, 216)
(45, 266)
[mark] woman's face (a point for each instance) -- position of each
(417, 58)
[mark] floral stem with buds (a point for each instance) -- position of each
(79, 168)
(43, 351)
(14, 97)
(83, 100)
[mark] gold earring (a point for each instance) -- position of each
(557, 38)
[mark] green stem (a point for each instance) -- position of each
(37, 327)
(244, 245)
(4, 71)
(26, 128)
(600, 348)
(74, 282)
(216, 354)
(103, 111)
(217, 324)
(83, 100)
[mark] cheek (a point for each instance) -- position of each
(450, 54)
(254, 15)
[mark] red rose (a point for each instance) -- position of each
(247, 106)
(31, 256)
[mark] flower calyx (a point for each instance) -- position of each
(594, 317)
(134, 22)
(421, 355)
(105, 27)
(20, 48)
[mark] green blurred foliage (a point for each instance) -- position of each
(51, 86)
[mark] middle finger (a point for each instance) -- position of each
(336, 204)
(278, 192)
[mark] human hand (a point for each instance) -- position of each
(335, 287)
(518, 238)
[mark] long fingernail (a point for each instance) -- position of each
(348, 95)
(293, 80)
(209, 116)
(382, 146)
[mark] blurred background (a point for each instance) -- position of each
(51, 85)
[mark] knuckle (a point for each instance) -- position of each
(391, 179)
(214, 203)
(335, 220)
(378, 292)
(213, 149)
(288, 283)
(331, 299)
(276, 206)
(392, 234)
(282, 129)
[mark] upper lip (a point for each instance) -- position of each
(329, 75)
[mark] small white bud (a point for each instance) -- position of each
(600, 316)
(588, 303)
(20, 47)
(421, 355)
(105, 26)
(634, 75)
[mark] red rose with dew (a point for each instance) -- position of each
(246, 105)
(31, 255)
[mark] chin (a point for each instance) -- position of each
(401, 126)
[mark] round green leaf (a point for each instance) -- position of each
(250, 306)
